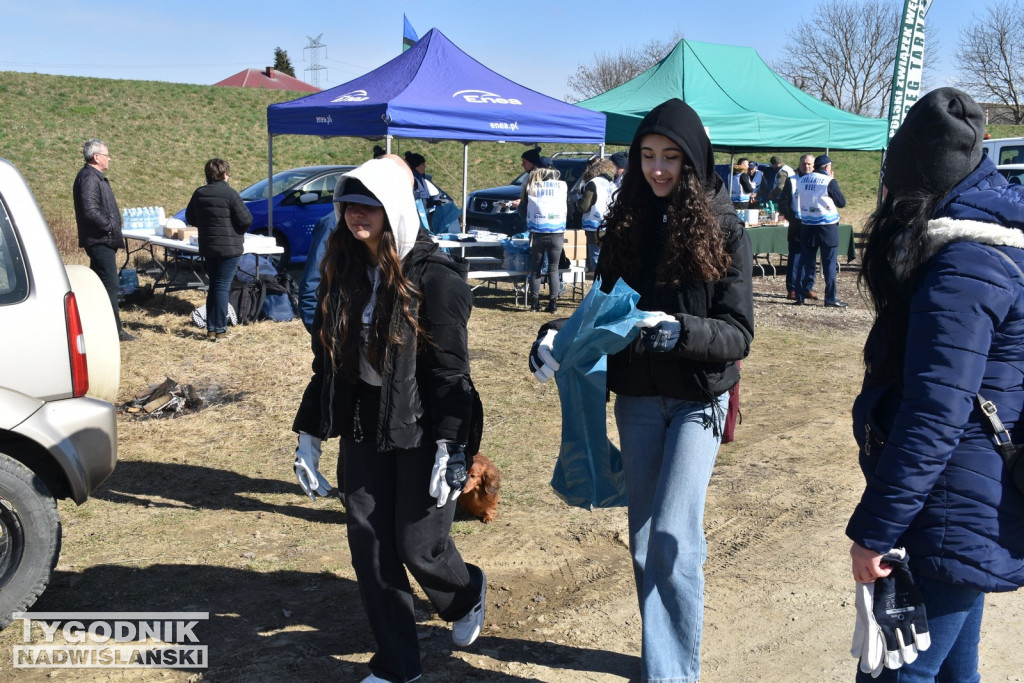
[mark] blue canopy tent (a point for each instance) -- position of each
(435, 91)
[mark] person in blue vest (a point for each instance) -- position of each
(740, 187)
(786, 199)
(756, 177)
(544, 205)
(942, 267)
(594, 203)
(818, 200)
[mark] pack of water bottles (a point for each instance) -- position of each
(143, 219)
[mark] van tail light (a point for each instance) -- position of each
(76, 347)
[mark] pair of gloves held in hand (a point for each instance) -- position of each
(892, 626)
(447, 478)
(659, 333)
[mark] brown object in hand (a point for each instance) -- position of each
(479, 497)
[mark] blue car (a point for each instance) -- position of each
(303, 196)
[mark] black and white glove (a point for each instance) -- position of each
(892, 626)
(542, 363)
(659, 332)
(449, 474)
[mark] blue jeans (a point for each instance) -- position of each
(668, 450)
(954, 623)
(794, 269)
(220, 271)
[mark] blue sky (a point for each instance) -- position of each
(536, 44)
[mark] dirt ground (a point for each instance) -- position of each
(203, 514)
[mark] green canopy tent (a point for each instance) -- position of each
(742, 102)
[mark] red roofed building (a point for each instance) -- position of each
(267, 78)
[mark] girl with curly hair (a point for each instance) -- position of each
(674, 237)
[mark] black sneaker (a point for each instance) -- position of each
(836, 304)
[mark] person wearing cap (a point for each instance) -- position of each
(423, 186)
(223, 219)
(391, 379)
(942, 266)
(621, 161)
(673, 237)
(817, 203)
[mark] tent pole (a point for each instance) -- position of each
(387, 144)
(270, 185)
(465, 181)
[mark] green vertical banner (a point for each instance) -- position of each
(409, 36)
(906, 74)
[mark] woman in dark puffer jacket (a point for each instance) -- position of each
(950, 324)
(223, 219)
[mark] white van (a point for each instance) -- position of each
(1004, 150)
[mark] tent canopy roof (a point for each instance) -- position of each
(742, 102)
(435, 91)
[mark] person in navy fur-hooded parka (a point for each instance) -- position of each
(949, 324)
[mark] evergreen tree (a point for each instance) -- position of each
(282, 63)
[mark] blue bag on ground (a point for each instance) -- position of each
(589, 469)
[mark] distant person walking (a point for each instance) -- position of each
(223, 219)
(99, 222)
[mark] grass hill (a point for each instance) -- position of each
(161, 134)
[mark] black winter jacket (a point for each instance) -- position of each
(426, 391)
(717, 321)
(222, 218)
(96, 212)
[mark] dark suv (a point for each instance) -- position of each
(491, 209)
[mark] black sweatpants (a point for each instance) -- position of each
(394, 524)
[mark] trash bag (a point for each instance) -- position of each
(589, 470)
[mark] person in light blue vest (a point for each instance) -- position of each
(598, 192)
(546, 209)
(818, 200)
(740, 187)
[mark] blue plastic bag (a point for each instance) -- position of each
(589, 469)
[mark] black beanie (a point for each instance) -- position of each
(938, 145)
(414, 159)
(677, 121)
(533, 156)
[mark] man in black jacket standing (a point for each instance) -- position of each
(99, 222)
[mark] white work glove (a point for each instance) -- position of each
(307, 467)
(449, 474)
(542, 362)
(892, 626)
(868, 642)
(653, 318)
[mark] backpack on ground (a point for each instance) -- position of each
(247, 299)
(281, 300)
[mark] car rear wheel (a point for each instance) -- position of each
(30, 537)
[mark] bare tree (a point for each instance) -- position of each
(990, 56)
(844, 54)
(608, 71)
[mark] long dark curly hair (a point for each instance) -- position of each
(896, 233)
(694, 243)
(346, 289)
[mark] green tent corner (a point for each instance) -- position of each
(743, 103)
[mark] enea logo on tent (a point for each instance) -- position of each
(354, 96)
(484, 97)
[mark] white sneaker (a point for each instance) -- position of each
(467, 629)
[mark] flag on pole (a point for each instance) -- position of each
(906, 75)
(408, 34)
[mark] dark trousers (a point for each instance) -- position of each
(103, 262)
(825, 238)
(546, 244)
(394, 524)
(221, 272)
(794, 268)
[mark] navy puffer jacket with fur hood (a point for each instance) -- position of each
(935, 482)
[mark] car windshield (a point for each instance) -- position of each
(284, 180)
